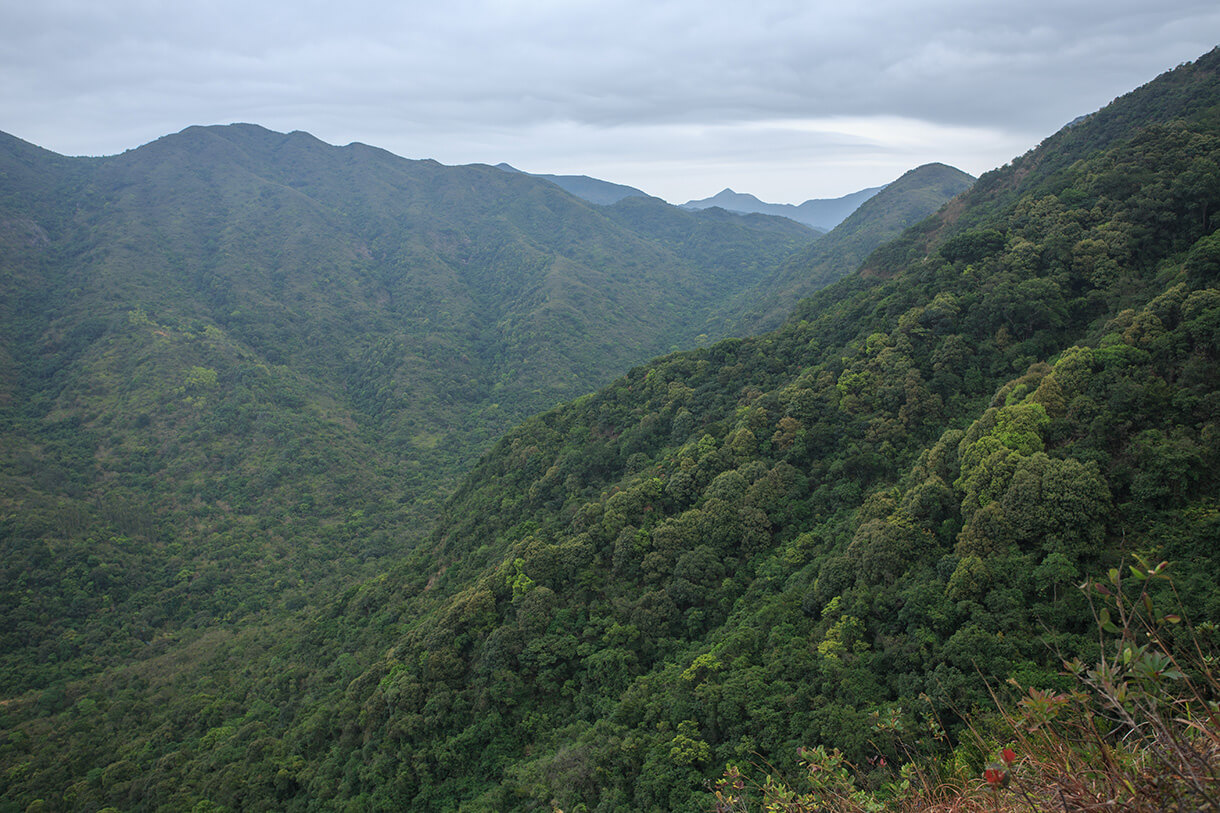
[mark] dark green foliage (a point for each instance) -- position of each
(1009, 412)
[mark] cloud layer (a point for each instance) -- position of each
(785, 99)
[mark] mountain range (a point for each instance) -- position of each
(229, 332)
(250, 561)
(819, 214)
(243, 361)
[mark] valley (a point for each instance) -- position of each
(333, 480)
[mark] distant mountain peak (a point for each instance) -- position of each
(820, 214)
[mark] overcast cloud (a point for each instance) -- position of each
(787, 100)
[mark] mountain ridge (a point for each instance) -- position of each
(594, 190)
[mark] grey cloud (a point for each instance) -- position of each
(90, 77)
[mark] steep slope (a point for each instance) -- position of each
(734, 551)
(739, 550)
(821, 214)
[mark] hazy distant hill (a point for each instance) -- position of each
(822, 214)
(593, 190)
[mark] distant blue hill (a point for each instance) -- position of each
(821, 214)
(603, 193)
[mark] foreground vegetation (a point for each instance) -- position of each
(1139, 730)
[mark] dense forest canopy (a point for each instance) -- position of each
(874, 511)
(242, 368)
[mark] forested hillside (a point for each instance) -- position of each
(241, 366)
(753, 547)
(725, 554)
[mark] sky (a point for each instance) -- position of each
(784, 99)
